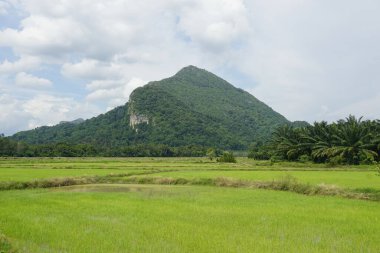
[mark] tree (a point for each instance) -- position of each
(227, 157)
(350, 141)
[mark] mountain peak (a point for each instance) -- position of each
(190, 68)
(191, 71)
(197, 77)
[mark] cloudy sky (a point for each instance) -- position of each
(307, 59)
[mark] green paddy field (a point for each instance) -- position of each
(110, 206)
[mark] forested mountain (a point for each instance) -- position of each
(193, 107)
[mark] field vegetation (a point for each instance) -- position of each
(186, 205)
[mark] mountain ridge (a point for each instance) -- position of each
(193, 107)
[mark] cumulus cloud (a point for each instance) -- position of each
(32, 82)
(92, 69)
(214, 24)
(100, 30)
(23, 64)
(18, 114)
(113, 92)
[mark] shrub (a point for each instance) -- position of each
(304, 158)
(275, 158)
(259, 155)
(211, 153)
(335, 161)
(227, 157)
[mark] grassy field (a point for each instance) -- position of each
(172, 218)
(347, 179)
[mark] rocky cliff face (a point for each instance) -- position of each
(136, 119)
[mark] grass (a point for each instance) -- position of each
(5, 245)
(345, 179)
(184, 211)
(185, 219)
(25, 175)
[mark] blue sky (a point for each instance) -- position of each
(308, 60)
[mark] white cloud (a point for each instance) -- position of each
(104, 84)
(32, 82)
(18, 114)
(214, 24)
(26, 63)
(114, 95)
(366, 108)
(92, 69)
(12, 117)
(313, 58)
(3, 7)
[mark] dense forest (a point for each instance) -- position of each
(11, 148)
(349, 141)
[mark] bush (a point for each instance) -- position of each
(304, 158)
(227, 157)
(211, 153)
(259, 155)
(276, 158)
(335, 161)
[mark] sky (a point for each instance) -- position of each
(309, 60)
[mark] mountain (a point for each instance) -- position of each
(193, 107)
(75, 122)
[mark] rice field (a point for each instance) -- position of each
(184, 218)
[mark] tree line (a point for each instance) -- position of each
(11, 148)
(348, 141)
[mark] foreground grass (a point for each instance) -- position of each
(129, 218)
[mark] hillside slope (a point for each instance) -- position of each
(194, 107)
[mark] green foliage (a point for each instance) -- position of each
(9, 147)
(258, 151)
(350, 141)
(194, 107)
(227, 157)
(304, 158)
(211, 154)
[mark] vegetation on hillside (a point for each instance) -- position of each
(194, 107)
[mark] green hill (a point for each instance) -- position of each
(194, 107)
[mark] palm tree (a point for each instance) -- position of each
(287, 142)
(319, 138)
(351, 141)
